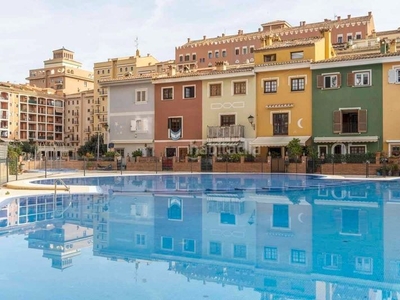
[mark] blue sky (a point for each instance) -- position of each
(98, 29)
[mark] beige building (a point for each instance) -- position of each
(62, 73)
(32, 114)
(78, 118)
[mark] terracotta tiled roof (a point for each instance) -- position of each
(387, 32)
(280, 31)
(291, 43)
(356, 57)
(278, 63)
(205, 73)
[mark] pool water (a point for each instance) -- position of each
(204, 237)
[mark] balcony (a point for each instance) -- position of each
(232, 131)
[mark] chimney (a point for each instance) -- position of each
(393, 46)
(259, 29)
(223, 34)
(325, 20)
(240, 32)
(220, 66)
(327, 42)
(338, 18)
(369, 13)
(348, 16)
(188, 40)
(204, 37)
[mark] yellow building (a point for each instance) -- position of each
(391, 107)
(62, 73)
(111, 69)
(284, 91)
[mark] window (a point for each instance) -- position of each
(187, 57)
(297, 55)
(188, 245)
(280, 217)
(322, 151)
(194, 56)
(349, 37)
(298, 256)
(175, 209)
(227, 218)
(281, 123)
(357, 150)
(270, 86)
(364, 264)
(359, 78)
(331, 261)
(167, 243)
(350, 121)
(239, 251)
(237, 51)
(216, 54)
(244, 50)
(271, 253)
(175, 128)
(215, 89)
(140, 239)
(239, 88)
(215, 248)
(251, 49)
(269, 57)
(297, 84)
(189, 92)
(394, 76)
(227, 120)
(395, 150)
(358, 36)
(167, 93)
(331, 81)
(340, 39)
(350, 221)
(141, 96)
(209, 54)
(223, 53)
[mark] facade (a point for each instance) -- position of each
(78, 115)
(348, 103)
(178, 114)
(228, 101)
(391, 108)
(111, 69)
(35, 115)
(62, 73)
(284, 91)
(130, 114)
(239, 48)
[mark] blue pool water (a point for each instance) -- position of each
(204, 237)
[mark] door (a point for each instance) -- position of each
(277, 161)
(182, 153)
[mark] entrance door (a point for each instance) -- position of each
(170, 152)
(277, 161)
(183, 153)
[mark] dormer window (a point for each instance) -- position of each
(297, 55)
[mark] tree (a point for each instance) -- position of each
(294, 148)
(91, 146)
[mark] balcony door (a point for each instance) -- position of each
(227, 120)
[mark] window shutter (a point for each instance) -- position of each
(392, 76)
(143, 97)
(363, 221)
(337, 121)
(320, 82)
(350, 79)
(145, 124)
(133, 125)
(339, 80)
(169, 123)
(138, 96)
(362, 120)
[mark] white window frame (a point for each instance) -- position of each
(244, 50)
(322, 146)
(169, 129)
(209, 88)
(145, 239)
(140, 101)
(271, 115)
(363, 72)
(394, 75)
(233, 251)
(216, 53)
(237, 49)
(264, 80)
(363, 269)
(162, 93)
(209, 54)
(347, 37)
(350, 146)
(358, 33)
(183, 91)
(223, 51)
(339, 36)
(297, 77)
(299, 58)
(330, 265)
(330, 75)
(193, 55)
(233, 87)
(180, 57)
(183, 246)
(252, 47)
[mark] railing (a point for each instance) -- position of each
(233, 131)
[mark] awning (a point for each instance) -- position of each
(346, 139)
(226, 144)
(277, 141)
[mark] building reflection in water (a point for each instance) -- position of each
(332, 240)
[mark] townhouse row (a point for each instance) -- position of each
(295, 89)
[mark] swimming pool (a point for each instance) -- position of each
(204, 236)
